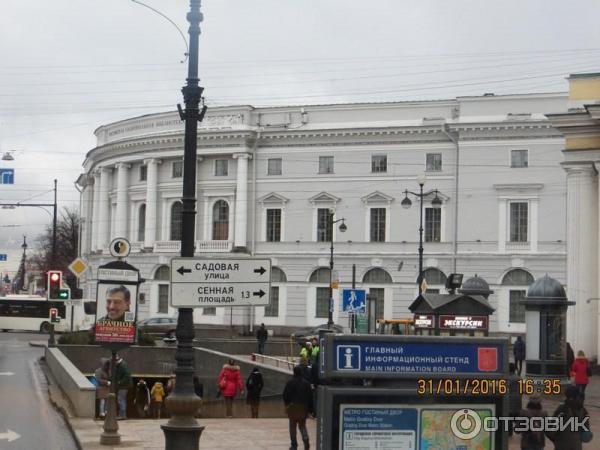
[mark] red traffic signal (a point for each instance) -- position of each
(54, 284)
(54, 315)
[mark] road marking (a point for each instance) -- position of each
(7, 373)
(10, 435)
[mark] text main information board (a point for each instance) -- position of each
(212, 282)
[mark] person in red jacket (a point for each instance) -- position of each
(580, 370)
(229, 381)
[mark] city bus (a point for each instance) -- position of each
(32, 313)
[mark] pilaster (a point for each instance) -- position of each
(103, 209)
(151, 201)
(241, 201)
(122, 200)
(94, 216)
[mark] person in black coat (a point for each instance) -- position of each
(519, 354)
(297, 397)
(254, 386)
(570, 358)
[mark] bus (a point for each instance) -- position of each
(32, 313)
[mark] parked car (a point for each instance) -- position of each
(306, 334)
(165, 326)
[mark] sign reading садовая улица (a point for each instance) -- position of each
(382, 356)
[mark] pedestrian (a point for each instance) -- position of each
(123, 384)
(515, 402)
(229, 381)
(158, 396)
(570, 358)
(314, 356)
(102, 375)
(306, 370)
(297, 397)
(519, 353)
(171, 384)
(581, 371)
(571, 438)
(142, 398)
(533, 440)
(306, 350)
(199, 391)
(254, 386)
(261, 336)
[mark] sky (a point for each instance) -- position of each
(69, 66)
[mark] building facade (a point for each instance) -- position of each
(267, 178)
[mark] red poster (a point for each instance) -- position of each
(487, 359)
(114, 331)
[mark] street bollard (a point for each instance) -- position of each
(51, 341)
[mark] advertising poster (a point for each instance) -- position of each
(116, 307)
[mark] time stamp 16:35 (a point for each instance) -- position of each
(484, 386)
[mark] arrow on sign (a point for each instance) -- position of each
(10, 435)
(260, 293)
(182, 270)
(261, 270)
(7, 373)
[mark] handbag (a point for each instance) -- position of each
(223, 383)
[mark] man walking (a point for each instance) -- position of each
(123, 384)
(297, 397)
(519, 353)
(261, 336)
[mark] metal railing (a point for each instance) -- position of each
(280, 363)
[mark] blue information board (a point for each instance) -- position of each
(420, 358)
(7, 176)
(354, 300)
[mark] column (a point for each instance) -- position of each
(241, 200)
(121, 212)
(103, 205)
(582, 240)
(95, 213)
(151, 200)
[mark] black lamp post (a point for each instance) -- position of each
(343, 228)
(406, 203)
(182, 431)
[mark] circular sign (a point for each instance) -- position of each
(120, 247)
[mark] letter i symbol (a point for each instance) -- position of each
(348, 357)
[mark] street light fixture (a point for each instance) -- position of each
(407, 203)
(342, 228)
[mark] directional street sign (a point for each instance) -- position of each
(208, 282)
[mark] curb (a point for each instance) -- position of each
(38, 343)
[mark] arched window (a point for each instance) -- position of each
(221, 221)
(434, 276)
(162, 274)
(520, 279)
(377, 276)
(142, 223)
(176, 219)
(517, 277)
(278, 275)
(320, 275)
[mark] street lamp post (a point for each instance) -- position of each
(406, 203)
(343, 228)
(182, 431)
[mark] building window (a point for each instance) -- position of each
(433, 224)
(377, 226)
(377, 276)
(273, 225)
(518, 221)
(324, 225)
(379, 163)
(322, 309)
(163, 298)
(176, 221)
(221, 221)
(519, 158)
(434, 276)
(274, 166)
(320, 275)
(221, 167)
(516, 309)
(142, 223)
(143, 173)
(177, 169)
(211, 311)
(272, 309)
(325, 164)
(433, 162)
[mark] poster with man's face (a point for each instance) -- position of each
(116, 307)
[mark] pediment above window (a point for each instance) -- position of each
(377, 197)
(273, 198)
(324, 197)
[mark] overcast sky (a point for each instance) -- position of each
(69, 66)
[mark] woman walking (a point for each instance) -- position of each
(158, 395)
(229, 381)
(580, 369)
(102, 375)
(254, 385)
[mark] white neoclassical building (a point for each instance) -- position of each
(267, 178)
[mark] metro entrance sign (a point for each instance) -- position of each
(208, 282)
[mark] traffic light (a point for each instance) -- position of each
(54, 315)
(54, 284)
